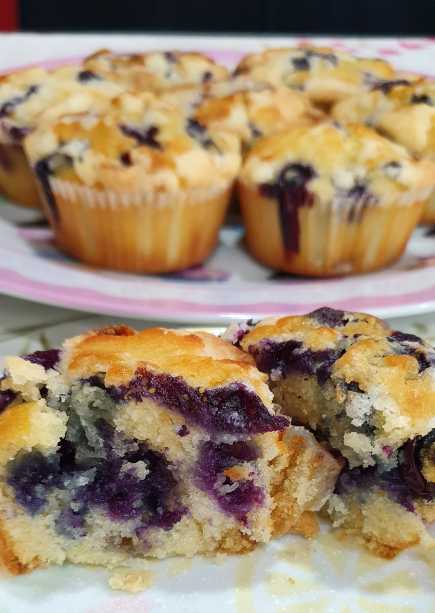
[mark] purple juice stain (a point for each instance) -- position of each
(357, 200)
(44, 169)
(143, 136)
(213, 460)
(48, 358)
(232, 409)
(290, 189)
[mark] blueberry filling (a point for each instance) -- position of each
(6, 397)
(237, 498)
(84, 76)
(143, 136)
(48, 359)
(121, 477)
(44, 169)
(278, 359)
(333, 318)
(386, 86)
(404, 483)
(8, 107)
(404, 344)
(421, 99)
(199, 133)
(231, 409)
(290, 189)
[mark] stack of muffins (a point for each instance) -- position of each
(136, 157)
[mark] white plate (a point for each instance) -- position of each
(289, 575)
(231, 285)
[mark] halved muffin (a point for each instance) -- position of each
(124, 445)
(369, 392)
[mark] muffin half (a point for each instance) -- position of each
(368, 392)
(126, 445)
(331, 200)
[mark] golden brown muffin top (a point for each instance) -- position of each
(254, 113)
(368, 107)
(201, 359)
(155, 70)
(33, 96)
(393, 372)
(139, 143)
(340, 163)
(324, 74)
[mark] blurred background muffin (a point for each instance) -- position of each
(140, 188)
(331, 200)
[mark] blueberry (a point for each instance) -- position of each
(145, 136)
(421, 99)
(213, 459)
(300, 63)
(8, 107)
(199, 133)
(385, 86)
(332, 318)
(207, 76)
(48, 359)
(125, 158)
(290, 189)
(6, 397)
(229, 409)
(85, 76)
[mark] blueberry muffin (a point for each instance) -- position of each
(139, 188)
(26, 98)
(256, 112)
(325, 75)
(155, 70)
(331, 200)
(402, 110)
(124, 445)
(368, 392)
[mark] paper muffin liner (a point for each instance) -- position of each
(428, 215)
(151, 232)
(332, 240)
(17, 182)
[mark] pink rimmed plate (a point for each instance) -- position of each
(230, 285)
